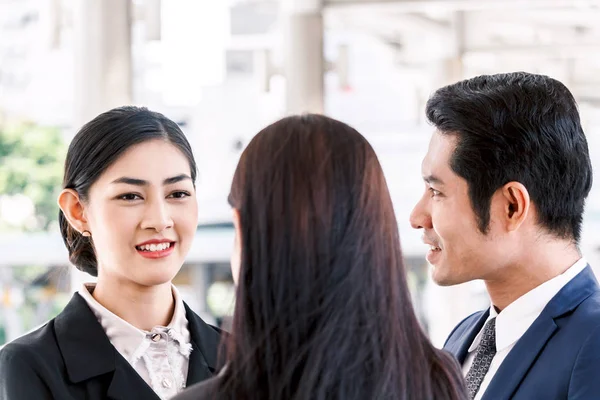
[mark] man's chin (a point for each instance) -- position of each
(444, 282)
(441, 278)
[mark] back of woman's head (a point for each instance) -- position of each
(96, 146)
(323, 309)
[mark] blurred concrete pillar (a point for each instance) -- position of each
(454, 65)
(152, 19)
(102, 56)
(304, 62)
(200, 286)
(448, 69)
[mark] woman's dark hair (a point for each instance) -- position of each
(98, 145)
(323, 310)
(518, 127)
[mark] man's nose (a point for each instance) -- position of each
(420, 217)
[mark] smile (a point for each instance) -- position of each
(154, 247)
(156, 250)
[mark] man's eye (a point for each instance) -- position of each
(434, 192)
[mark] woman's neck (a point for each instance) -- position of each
(143, 307)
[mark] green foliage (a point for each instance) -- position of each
(31, 163)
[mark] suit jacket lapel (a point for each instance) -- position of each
(515, 366)
(459, 347)
(127, 384)
(519, 360)
(88, 353)
(205, 344)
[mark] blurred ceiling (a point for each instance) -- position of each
(486, 36)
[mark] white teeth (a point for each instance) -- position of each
(434, 248)
(154, 247)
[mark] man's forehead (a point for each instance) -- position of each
(437, 160)
(442, 143)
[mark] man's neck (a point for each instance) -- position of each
(143, 307)
(535, 268)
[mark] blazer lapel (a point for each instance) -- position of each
(88, 354)
(198, 370)
(127, 384)
(515, 366)
(459, 347)
(86, 350)
(205, 344)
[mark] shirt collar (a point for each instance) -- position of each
(518, 316)
(125, 337)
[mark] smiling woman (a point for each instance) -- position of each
(128, 216)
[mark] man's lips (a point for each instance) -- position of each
(431, 243)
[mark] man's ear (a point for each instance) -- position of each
(72, 207)
(516, 205)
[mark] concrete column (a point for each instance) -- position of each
(199, 283)
(449, 68)
(304, 60)
(102, 57)
(152, 19)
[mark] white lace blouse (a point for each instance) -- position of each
(161, 356)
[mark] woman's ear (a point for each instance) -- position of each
(236, 254)
(72, 207)
(236, 223)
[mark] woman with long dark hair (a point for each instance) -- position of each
(128, 216)
(323, 310)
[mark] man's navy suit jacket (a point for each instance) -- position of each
(558, 357)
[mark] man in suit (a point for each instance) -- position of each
(506, 177)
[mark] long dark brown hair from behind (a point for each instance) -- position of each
(323, 310)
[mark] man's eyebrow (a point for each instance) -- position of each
(433, 179)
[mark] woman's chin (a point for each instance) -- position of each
(156, 276)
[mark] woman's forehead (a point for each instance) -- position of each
(152, 161)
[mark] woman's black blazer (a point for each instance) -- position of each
(71, 358)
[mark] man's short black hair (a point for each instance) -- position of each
(518, 127)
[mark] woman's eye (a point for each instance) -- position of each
(129, 197)
(179, 195)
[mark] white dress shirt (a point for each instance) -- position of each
(516, 319)
(161, 356)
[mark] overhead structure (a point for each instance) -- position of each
(452, 39)
(103, 67)
(304, 63)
